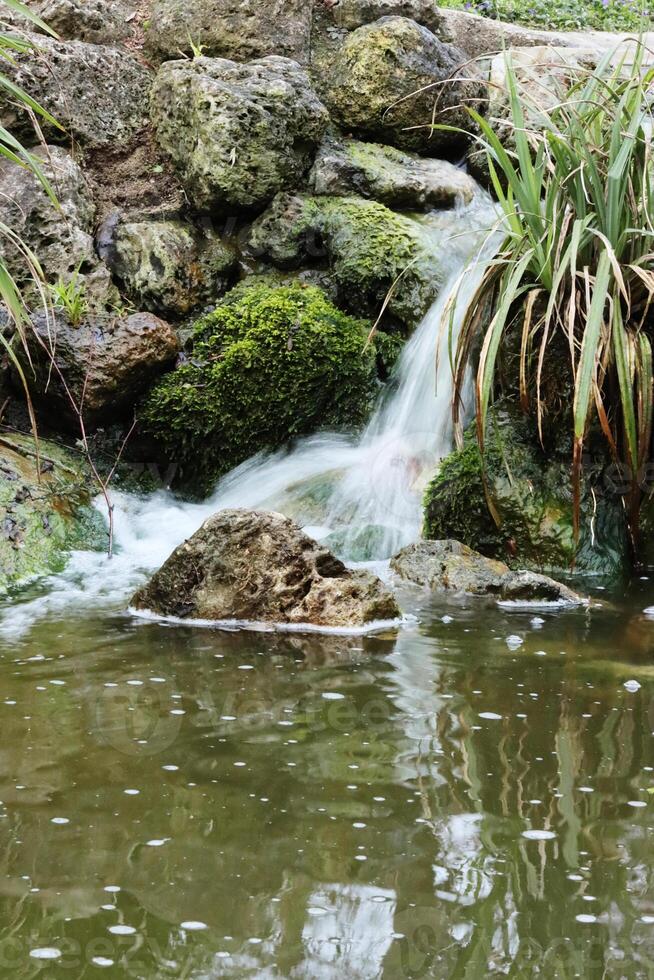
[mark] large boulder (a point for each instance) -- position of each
(169, 267)
(236, 29)
(45, 509)
(452, 566)
(60, 234)
(530, 490)
(391, 80)
(237, 134)
(368, 247)
(269, 364)
(95, 21)
(388, 175)
(260, 567)
(97, 93)
(105, 362)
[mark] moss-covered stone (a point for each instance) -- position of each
(269, 364)
(368, 247)
(42, 515)
(531, 491)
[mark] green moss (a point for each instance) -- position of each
(369, 249)
(269, 364)
(531, 492)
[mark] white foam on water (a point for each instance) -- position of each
(361, 496)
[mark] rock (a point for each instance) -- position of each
(97, 93)
(260, 567)
(111, 359)
(390, 176)
(391, 79)
(236, 29)
(366, 245)
(43, 515)
(269, 364)
(60, 235)
(351, 14)
(237, 134)
(168, 267)
(452, 566)
(531, 491)
(95, 21)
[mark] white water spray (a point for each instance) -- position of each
(361, 496)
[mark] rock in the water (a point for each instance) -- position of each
(97, 93)
(95, 21)
(110, 359)
(369, 249)
(61, 234)
(450, 565)
(391, 80)
(236, 29)
(168, 267)
(237, 134)
(261, 567)
(43, 514)
(392, 177)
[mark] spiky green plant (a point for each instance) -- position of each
(576, 184)
(69, 296)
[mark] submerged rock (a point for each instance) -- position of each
(106, 360)
(261, 567)
(452, 566)
(168, 267)
(390, 80)
(60, 234)
(235, 29)
(237, 133)
(368, 247)
(390, 176)
(96, 93)
(44, 513)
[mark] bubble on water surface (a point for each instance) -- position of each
(636, 803)
(157, 842)
(102, 961)
(583, 917)
(490, 715)
(513, 641)
(193, 925)
(120, 930)
(631, 686)
(332, 696)
(60, 820)
(538, 834)
(45, 953)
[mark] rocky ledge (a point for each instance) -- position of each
(260, 567)
(452, 566)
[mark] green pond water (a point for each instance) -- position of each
(187, 802)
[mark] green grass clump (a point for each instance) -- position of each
(269, 364)
(565, 15)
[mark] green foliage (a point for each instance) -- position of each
(566, 15)
(577, 193)
(269, 364)
(70, 298)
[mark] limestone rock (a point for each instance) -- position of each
(97, 93)
(168, 267)
(112, 359)
(95, 21)
(351, 14)
(261, 567)
(367, 246)
(60, 234)
(452, 566)
(237, 134)
(390, 176)
(392, 79)
(237, 29)
(43, 513)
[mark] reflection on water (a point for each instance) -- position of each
(196, 803)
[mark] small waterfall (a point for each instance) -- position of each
(361, 496)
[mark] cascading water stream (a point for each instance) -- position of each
(360, 496)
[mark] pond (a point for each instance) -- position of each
(466, 795)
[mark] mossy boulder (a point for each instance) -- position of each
(388, 175)
(269, 364)
(45, 509)
(170, 268)
(390, 80)
(531, 492)
(237, 133)
(368, 248)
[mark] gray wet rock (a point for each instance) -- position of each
(258, 566)
(452, 566)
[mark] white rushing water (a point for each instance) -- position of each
(361, 496)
